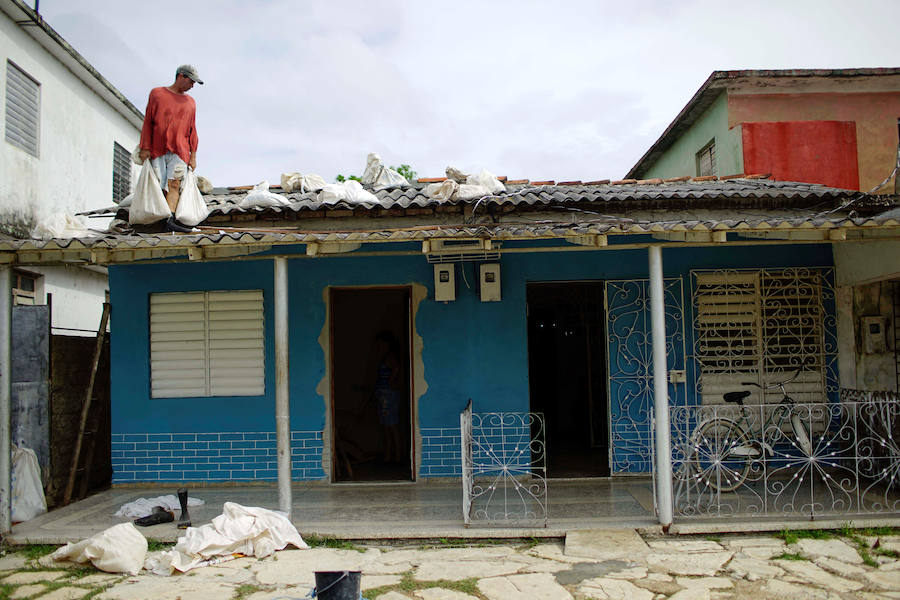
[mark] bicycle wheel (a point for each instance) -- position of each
(722, 454)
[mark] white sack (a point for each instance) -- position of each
(61, 225)
(192, 209)
(119, 549)
(247, 530)
(27, 491)
(261, 197)
(379, 176)
(149, 203)
(143, 507)
(486, 179)
(472, 192)
(443, 191)
(204, 184)
(350, 191)
(456, 175)
(297, 182)
(126, 201)
(136, 156)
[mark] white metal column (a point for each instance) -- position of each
(5, 394)
(660, 389)
(282, 395)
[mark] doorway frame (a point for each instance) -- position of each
(329, 372)
(601, 282)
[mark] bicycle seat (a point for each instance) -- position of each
(736, 396)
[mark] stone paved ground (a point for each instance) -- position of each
(601, 564)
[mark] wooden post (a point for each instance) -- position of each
(86, 406)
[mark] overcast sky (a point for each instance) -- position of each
(540, 90)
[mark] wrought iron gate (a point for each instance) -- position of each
(631, 369)
(504, 468)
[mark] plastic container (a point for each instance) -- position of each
(338, 585)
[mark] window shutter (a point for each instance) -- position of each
(178, 366)
(121, 173)
(236, 353)
(207, 344)
(22, 109)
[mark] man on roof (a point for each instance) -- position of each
(169, 136)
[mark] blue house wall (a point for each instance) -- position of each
(470, 350)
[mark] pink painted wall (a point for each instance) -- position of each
(810, 151)
(874, 113)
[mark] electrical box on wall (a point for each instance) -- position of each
(444, 282)
(489, 282)
(874, 334)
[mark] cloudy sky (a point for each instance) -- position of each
(540, 90)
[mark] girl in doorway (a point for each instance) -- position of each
(387, 398)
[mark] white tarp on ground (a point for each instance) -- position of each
(248, 530)
(119, 549)
(144, 506)
(28, 499)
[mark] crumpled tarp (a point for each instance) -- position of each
(381, 177)
(144, 506)
(247, 530)
(119, 549)
(62, 225)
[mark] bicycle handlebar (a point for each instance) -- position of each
(776, 384)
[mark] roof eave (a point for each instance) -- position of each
(54, 43)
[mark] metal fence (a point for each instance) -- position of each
(809, 459)
(504, 469)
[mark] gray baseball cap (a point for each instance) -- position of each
(189, 71)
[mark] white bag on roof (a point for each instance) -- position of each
(443, 191)
(149, 203)
(379, 176)
(192, 207)
(486, 179)
(456, 175)
(261, 197)
(28, 499)
(61, 225)
(119, 549)
(469, 191)
(350, 191)
(297, 182)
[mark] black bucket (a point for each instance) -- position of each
(338, 585)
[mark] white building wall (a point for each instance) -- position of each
(78, 294)
(73, 171)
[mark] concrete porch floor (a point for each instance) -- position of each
(362, 511)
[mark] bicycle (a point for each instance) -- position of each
(723, 449)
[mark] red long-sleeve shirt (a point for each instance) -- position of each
(169, 124)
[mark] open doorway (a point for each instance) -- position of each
(567, 375)
(370, 375)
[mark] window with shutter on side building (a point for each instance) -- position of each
(23, 101)
(706, 160)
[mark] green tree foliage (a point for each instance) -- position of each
(341, 179)
(407, 172)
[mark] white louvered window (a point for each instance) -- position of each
(706, 160)
(121, 185)
(760, 325)
(207, 344)
(23, 101)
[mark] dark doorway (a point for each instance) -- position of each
(371, 406)
(567, 375)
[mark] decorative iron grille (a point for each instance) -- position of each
(822, 459)
(504, 469)
(630, 368)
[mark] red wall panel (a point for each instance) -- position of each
(809, 151)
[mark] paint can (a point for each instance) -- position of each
(338, 585)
